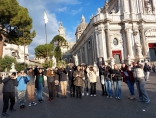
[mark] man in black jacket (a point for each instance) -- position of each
(9, 93)
(101, 66)
(70, 71)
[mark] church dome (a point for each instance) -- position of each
(82, 26)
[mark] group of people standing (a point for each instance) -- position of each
(78, 79)
(130, 74)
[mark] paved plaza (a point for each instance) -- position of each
(91, 107)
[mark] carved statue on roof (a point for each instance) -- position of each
(83, 18)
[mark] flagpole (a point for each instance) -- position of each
(46, 21)
(46, 39)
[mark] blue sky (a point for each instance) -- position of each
(68, 12)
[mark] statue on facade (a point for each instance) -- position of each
(76, 60)
(138, 50)
(149, 8)
(13, 68)
(53, 62)
(99, 10)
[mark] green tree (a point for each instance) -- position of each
(59, 41)
(58, 53)
(6, 63)
(41, 50)
(16, 24)
(47, 64)
(19, 66)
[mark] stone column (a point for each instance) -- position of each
(153, 6)
(128, 43)
(132, 10)
(97, 44)
(100, 44)
(143, 42)
(108, 44)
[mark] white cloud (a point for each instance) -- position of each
(61, 9)
(74, 12)
(36, 12)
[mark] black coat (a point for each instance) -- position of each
(63, 74)
(70, 72)
(9, 84)
(117, 76)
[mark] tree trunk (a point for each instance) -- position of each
(2, 44)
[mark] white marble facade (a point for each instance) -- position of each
(17, 52)
(120, 30)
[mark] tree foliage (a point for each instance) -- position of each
(6, 63)
(61, 63)
(20, 66)
(59, 41)
(41, 50)
(16, 22)
(58, 53)
(47, 64)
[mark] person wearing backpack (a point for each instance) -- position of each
(22, 80)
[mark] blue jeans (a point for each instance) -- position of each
(130, 85)
(117, 89)
(140, 83)
(108, 85)
(39, 91)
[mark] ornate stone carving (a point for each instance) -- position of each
(138, 50)
(76, 59)
(99, 10)
(13, 68)
(135, 32)
(148, 6)
(150, 33)
(54, 62)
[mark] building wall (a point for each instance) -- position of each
(16, 52)
(131, 22)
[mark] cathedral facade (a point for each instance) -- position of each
(122, 31)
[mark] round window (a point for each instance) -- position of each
(115, 41)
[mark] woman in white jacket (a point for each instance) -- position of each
(92, 78)
(140, 83)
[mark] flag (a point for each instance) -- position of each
(45, 17)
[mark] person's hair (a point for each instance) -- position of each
(49, 72)
(14, 74)
(19, 72)
(117, 67)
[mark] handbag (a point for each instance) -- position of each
(56, 82)
(102, 80)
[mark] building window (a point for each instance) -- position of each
(89, 44)
(115, 41)
(14, 54)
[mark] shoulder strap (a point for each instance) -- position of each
(19, 79)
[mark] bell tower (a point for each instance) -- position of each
(61, 31)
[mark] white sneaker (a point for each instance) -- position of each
(29, 105)
(87, 94)
(82, 94)
(91, 95)
(94, 95)
(107, 96)
(34, 103)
